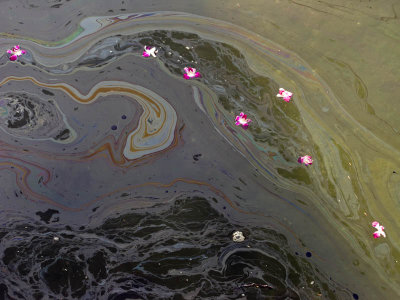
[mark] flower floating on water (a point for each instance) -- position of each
(306, 159)
(241, 120)
(379, 231)
(148, 50)
(190, 73)
(238, 237)
(286, 95)
(15, 52)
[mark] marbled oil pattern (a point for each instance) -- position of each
(122, 180)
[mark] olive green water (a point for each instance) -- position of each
(353, 46)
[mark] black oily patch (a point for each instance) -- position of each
(19, 119)
(46, 215)
(196, 156)
(46, 92)
(62, 275)
(63, 135)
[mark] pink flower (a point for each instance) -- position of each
(306, 159)
(148, 50)
(190, 73)
(242, 120)
(380, 231)
(286, 95)
(15, 52)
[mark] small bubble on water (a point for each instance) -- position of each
(114, 127)
(123, 117)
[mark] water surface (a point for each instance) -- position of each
(142, 176)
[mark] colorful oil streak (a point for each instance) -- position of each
(157, 123)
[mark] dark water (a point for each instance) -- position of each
(179, 250)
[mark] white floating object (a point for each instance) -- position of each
(238, 237)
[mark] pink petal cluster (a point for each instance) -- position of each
(241, 120)
(15, 52)
(379, 232)
(306, 159)
(148, 50)
(286, 95)
(190, 73)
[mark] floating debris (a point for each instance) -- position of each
(148, 50)
(286, 95)
(242, 120)
(190, 73)
(15, 52)
(238, 237)
(379, 231)
(306, 159)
